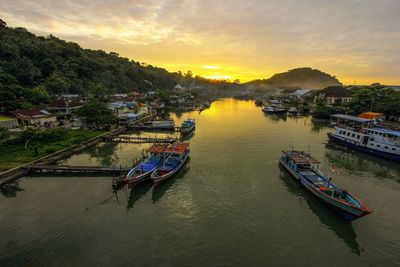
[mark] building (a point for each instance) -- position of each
(8, 122)
(333, 95)
(35, 117)
(300, 93)
(65, 106)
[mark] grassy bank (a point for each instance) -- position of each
(13, 155)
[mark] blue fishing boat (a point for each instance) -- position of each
(142, 171)
(187, 126)
(179, 153)
(366, 136)
(305, 168)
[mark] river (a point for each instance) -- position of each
(232, 205)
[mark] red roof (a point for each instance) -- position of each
(32, 113)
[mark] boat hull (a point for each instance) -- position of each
(187, 130)
(347, 212)
(364, 149)
(159, 179)
(140, 178)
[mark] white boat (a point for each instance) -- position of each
(364, 135)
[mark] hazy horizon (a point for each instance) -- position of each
(356, 41)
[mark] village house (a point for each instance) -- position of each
(37, 117)
(333, 95)
(65, 106)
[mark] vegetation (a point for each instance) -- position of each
(377, 98)
(35, 68)
(301, 77)
(14, 153)
(96, 114)
(4, 134)
(322, 111)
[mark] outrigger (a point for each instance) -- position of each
(306, 169)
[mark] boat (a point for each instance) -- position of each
(187, 126)
(365, 135)
(179, 153)
(274, 110)
(305, 169)
(142, 171)
(163, 125)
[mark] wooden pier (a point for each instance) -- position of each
(73, 170)
(140, 139)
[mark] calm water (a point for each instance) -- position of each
(231, 206)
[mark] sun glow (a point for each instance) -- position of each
(210, 67)
(218, 77)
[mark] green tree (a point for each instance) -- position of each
(97, 114)
(27, 135)
(39, 95)
(57, 83)
(4, 134)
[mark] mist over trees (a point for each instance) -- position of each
(301, 77)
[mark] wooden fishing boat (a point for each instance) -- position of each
(142, 171)
(187, 126)
(306, 169)
(179, 153)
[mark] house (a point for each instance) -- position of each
(333, 95)
(65, 106)
(35, 117)
(151, 94)
(300, 93)
(8, 122)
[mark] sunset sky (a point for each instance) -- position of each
(355, 40)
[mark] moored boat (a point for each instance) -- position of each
(305, 168)
(157, 125)
(142, 171)
(366, 136)
(187, 126)
(179, 153)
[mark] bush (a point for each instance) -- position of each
(322, 112)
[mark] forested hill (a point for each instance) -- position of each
(31, 66)
(302, 77)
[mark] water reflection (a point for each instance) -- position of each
(354, 161)
(11, 189)
(187, 137)
(161, 189)
(137, 193)
(318, 127)
(105, 153)
(342, 229)
(276, 117)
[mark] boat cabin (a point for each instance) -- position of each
(299, 160)
(350, 122)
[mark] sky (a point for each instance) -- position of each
(358, 41)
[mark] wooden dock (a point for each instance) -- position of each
(141, 139)
(74, 170)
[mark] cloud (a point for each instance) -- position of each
(352, 39)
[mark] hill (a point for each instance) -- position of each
(34, 69)
(301, 77)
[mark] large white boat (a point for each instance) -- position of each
(366, 136)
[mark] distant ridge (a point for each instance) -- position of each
(306, 78)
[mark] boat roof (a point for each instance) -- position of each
(300, 157)
(387, 131)
(351, 118)
(178, 147)
(158, 148)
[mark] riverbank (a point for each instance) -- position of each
(13, 155)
